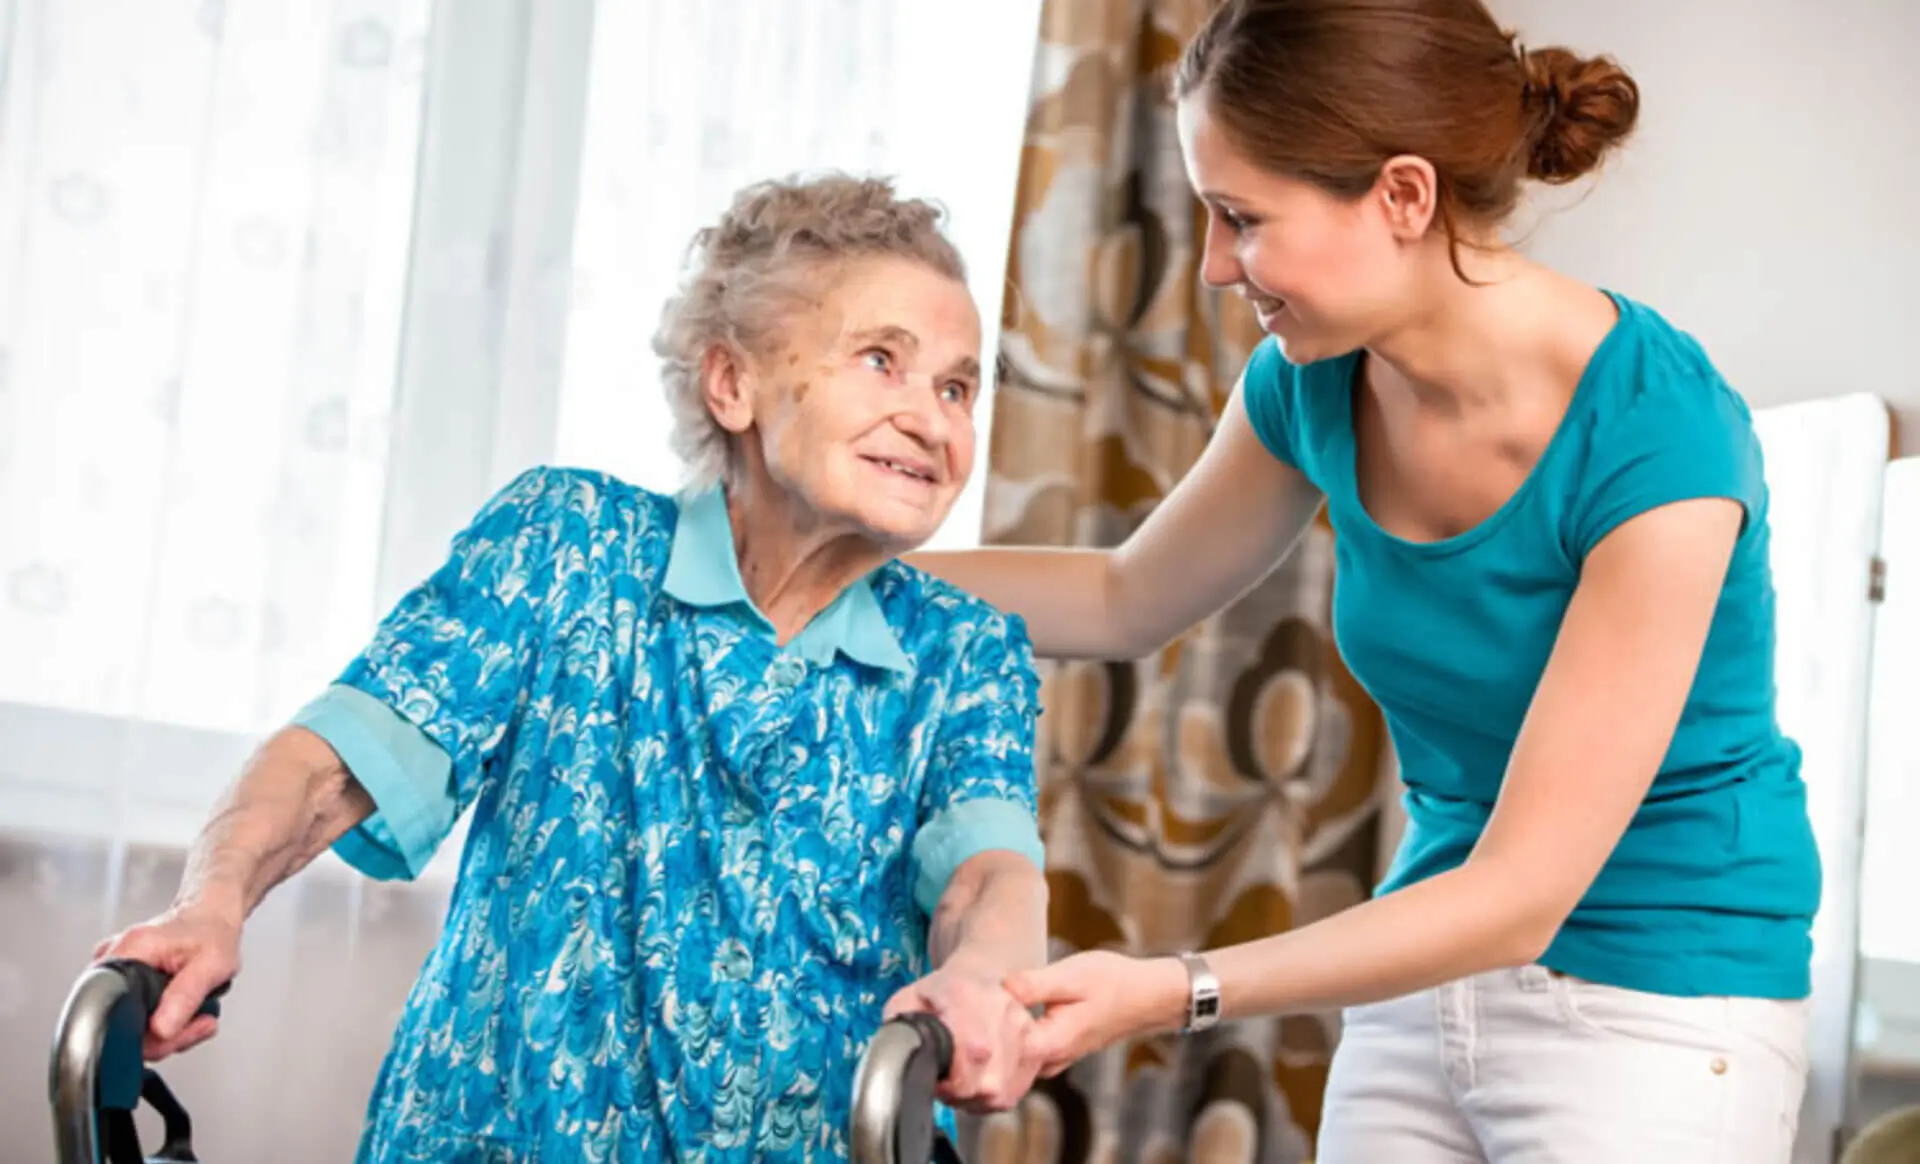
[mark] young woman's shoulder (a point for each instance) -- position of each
(1651, 362)
(1300, 411)
(1658, 423)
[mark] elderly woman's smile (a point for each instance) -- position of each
(912, 470)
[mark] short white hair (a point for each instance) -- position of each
(745, 273)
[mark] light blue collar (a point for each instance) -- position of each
(702, 570)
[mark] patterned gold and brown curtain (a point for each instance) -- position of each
(1227, 788)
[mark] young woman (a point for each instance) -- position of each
(1552, 543)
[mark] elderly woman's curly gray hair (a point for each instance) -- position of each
(749, 272)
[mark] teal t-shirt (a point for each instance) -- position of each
(1713, 888)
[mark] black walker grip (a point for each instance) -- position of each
(124, 1079)
(122, 1063)
(147, 983)
(937, 1038)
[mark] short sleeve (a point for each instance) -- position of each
(980, 788)
(451, 661)
(1674, 441)
(1268, 389)
(408, 776)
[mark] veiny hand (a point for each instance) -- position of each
(992, 1064)
(1096, 999)
(201, 951)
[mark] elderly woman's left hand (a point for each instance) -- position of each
(993, 1062)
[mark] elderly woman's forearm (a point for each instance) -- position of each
(993, 915)
(294, 799)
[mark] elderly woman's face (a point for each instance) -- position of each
(864, 413)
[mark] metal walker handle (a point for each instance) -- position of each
(97, 1067)
(893, 1093)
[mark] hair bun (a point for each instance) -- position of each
(1584, 106)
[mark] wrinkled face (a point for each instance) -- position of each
(1326, 275)
(862, 412)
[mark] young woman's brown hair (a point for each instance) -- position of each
(1327, 90)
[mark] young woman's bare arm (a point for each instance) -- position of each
(1225, 526)
(1592, 742)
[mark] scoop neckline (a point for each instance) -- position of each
(1577, 406)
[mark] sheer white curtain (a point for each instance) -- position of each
(205, 221)
(204, 213)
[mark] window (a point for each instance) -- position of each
(205, 213)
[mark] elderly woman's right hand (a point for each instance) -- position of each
(200, 947)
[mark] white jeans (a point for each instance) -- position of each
(1530, 1066)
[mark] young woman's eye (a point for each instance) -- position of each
(1237, 223)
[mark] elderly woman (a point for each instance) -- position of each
(741, 782)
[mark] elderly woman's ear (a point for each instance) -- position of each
(726, 382)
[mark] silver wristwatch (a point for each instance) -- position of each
(1203, 994)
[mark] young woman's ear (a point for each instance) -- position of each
(1409, 193)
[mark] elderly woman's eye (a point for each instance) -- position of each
(879, 359)
(956, 392)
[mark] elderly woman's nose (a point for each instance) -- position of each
(925, 414)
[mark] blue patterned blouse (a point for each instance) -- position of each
(698, 863)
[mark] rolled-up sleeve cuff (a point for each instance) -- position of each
(403, 770)
(966, 830)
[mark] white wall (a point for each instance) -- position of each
(1766, 202)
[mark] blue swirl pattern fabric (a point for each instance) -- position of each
(698, 863)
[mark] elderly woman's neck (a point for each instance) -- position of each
(793, 563)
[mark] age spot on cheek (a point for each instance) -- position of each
(800, 391)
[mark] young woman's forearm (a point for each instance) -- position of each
(1224, 527)
(1466, 921)
(1066, 595)
(291, 802)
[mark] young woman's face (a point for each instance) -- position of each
(1325, 275)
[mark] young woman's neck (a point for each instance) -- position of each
(1471, 347)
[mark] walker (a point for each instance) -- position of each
(893, 1094)
(98, 1077)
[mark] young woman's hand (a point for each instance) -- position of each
(1097, 999)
